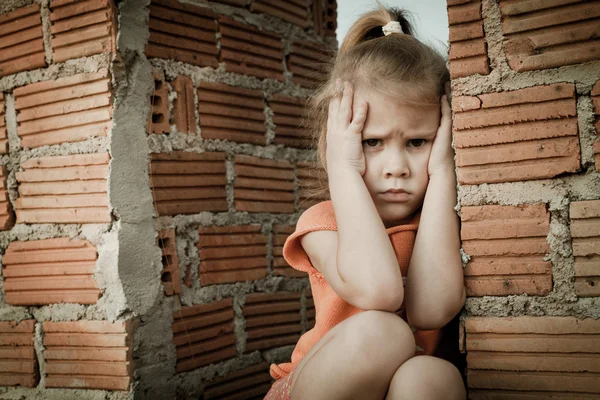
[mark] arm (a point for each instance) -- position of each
(435, 285)
(362, 268)
(365, 257)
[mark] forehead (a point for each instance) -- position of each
(387, 114)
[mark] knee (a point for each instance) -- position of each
(430, 377)
(382, 336)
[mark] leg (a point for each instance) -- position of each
(427, 378)
(356, 359)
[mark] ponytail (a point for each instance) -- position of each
(370, 26)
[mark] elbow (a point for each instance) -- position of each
(435, 319)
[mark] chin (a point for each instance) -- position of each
(395, 214)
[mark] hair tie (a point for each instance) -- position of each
(392, 27)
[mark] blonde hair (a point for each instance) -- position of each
(397, 65)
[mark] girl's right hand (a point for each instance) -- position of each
(344, 131)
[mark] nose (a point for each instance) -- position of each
(396, 165)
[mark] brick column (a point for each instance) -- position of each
(525, 79)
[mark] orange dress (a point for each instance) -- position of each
(330, 308)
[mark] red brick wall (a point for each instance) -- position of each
(229, 172)
(525, 103)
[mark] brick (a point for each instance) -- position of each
(170, 273)
(65, 110)
(160, 106)
(585, 233)
(525, 354)
(461, 13)
(283, 325)
(514, 152)
(287, 115)
(484, 135)
(203, 334)
(82, 29)
(184, 115)
(465, 103)
(231, 254)
(465, 31)
(597, 150)
(311, 180)
(319, 15)
(468, 49)
(237, 3)
(188, 183)
(72, 174)
(7, 217)
(250, 382)
(469, 66)
(50, 271)
(331, 18)
(509, 7)
(280, 267)
(182, 32)
(263, 185)
(231, 113)
(507, 246)
(294, 11)
(3, 137)
(248, 50)
(88, 354)
(307, 62)
(596, 91)
(18, 363)
(22, 42)
(543, 35)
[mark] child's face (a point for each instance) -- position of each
(397, 142)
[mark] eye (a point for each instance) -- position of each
(416, 143)
(371, 142)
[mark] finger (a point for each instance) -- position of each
(359, 118)
(330, 116)
(345, 110)
(334, 103)
(445, 129)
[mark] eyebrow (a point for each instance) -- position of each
(422, 134)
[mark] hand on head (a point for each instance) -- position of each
(345, 123)
(441, 158)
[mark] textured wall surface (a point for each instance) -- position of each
(525, 79)
(152, 158)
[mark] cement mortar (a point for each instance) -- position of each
(154, 352)
(75, 66)
(7, 6)
(575, 187)
(46, 32)
(190, 385)
(587, 132)
(195, 144)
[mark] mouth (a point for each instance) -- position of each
(396, 195)
(395, 191)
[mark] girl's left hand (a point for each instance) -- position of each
(441, 158)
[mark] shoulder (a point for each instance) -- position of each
(316, 225)
(318, 217)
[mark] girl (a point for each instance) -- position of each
(381, 289)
